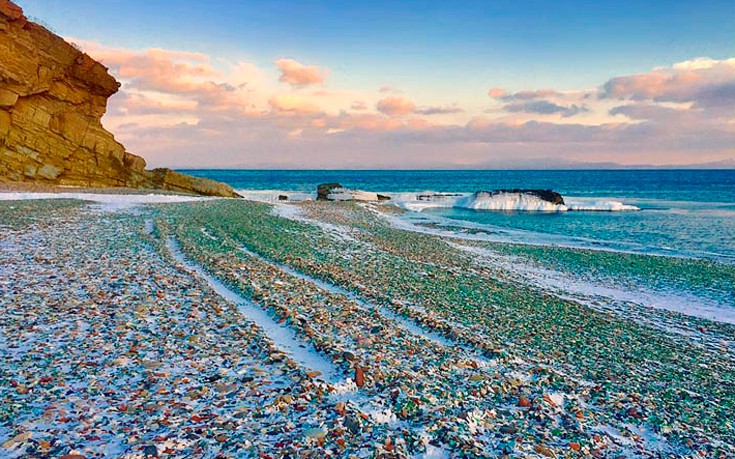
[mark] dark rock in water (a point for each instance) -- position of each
(282, 197)
(546, 195)
(336, 192)
(436, 196)
(325, 189)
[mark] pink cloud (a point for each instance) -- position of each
(367, 121)
(141, 104)
(359, 105)
(158, 69)
(438, 110)
(298, 74)
(497, 93)
(291, 103)
(706, 82)
(396, 105)
(389, 89)
(653, 85)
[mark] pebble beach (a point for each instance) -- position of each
(226, 328)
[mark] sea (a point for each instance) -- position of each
(688, 213)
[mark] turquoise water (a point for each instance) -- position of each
(669, 185)
(691, 229)
(684, 212)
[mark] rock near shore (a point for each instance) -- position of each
(545, 195)
(336, 192)
(52, 99)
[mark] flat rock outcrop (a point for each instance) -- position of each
(52, 99)
(336, 192)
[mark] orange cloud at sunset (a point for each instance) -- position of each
(291, 103)
(297, 74)
(496, 93)
(396, 105)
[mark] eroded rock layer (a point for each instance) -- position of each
(52, 99)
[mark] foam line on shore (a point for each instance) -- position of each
(283, 337)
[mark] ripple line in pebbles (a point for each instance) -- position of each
(400, 321)
(283, 337)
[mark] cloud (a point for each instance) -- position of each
(142, 104)
(158, 69)
(543, 107)
(389, 89)
(437, 110)
(541, 102)
(396, 105)
(359, 105)
(292, 103)
(532, 94)
(647, 111)
(497, 93)
(298, 74)
(703, 81)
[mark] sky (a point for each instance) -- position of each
(409, 84)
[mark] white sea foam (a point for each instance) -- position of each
(524, 202)
(509, 201)
(419, 201)
(595, 205)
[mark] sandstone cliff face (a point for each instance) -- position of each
(52, 98)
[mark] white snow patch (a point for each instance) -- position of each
(583, 291)
(108, 202)
(383, 416)
(432, 452)
(346, 194)
(149, 227)
(283, 337)
(271, 196)
(292, 212)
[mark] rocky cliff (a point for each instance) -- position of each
(52, 98)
